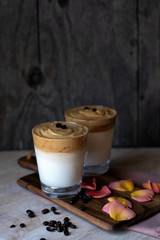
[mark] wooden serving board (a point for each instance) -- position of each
(93, 212)
(28, 161)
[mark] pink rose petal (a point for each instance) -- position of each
(106, 207)
(152, 186)
(89, 184)
(143, 195)
(118, 211)
(122, 185)
(124, 201)
(105, 191)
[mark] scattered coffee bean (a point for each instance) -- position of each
(64, 127)
(89, 196)
(12, 226)
(53, 209)
(22, 225)
(86, 107)
(51, 229)
(66, 224)
(30, 213)
(66, 233)
(60, 229)
(81, 193)
(66, 219)
(71, 201)
(94, 109)
(84, 200)
(57, 213)
(58, 223)
(82, 208)
(58, 125)
(72, 226)
(52, 223)
(45, 223)
(74, 199)
(42, 239)
(45, 211)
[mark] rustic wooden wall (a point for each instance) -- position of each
(56, 54)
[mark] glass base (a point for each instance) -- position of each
(96, 170)
(61, 193)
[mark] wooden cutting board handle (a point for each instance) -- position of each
(28, 161)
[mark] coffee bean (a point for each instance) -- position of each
(30, 213)
(82, 208)
(89, 196)
(45, 211)
(12, 226)
(66, 224)
(58, 223)
(53, 209)
(66, 219)
(52, 223)
(42, 239)
(45, 223)
(51, 229)
(22, 225)
(66, 233)
(84, 200)
(94, 109)
(86, 107)
(57, 213)
(81, 194)
(58, 125)
(74, 199)
(64, 127)
(72, 226)
(59, 228)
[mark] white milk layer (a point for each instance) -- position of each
(60, 169)
(99, 147)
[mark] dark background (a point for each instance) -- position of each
(57, 54)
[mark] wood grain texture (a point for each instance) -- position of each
(58, 54)
(93, 212)
(149, 73)
(18, 52)
(88, 58)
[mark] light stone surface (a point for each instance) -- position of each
(15, 200)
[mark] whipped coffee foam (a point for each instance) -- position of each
(59, 130)
(96, 118)
(91, 113)
(60, 137)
